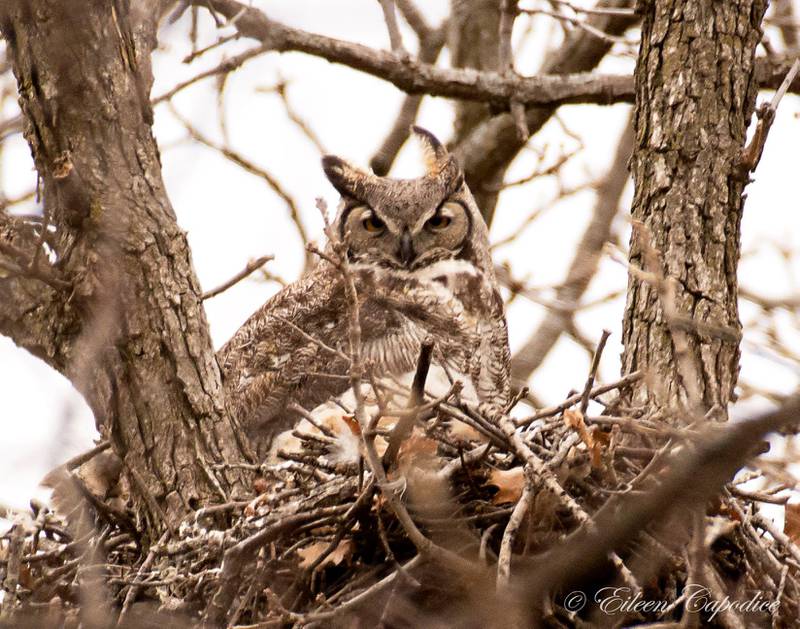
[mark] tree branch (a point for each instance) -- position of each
(414, 77)
(130, 333)
(582, 268)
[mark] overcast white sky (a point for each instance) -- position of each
(232, 217)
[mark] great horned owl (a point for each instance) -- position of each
(419, 254)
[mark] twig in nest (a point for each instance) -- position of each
(13, 565)
(510, 535)
(574, 399)
(235, 557)
(138, 582)
(549, 480)
(406, 423)
(587, 390)
(251, 266)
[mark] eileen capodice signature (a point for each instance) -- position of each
(695, 598)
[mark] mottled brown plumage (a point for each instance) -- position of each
(419, 254)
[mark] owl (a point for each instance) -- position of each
(418, 254)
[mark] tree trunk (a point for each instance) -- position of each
(473, 39)
(695, 95)
(122, 316)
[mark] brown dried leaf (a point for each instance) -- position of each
(309, 554)
(260, 485)
(417, 444)
(26, 579)
(351, 422)
(509, 483)
(252, 507)
(418, 451)
(791, 523)
(574, 419)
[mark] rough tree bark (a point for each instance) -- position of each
(120, 312)
(695, 95)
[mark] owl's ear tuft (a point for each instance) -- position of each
(345, 177)
(438, 162)
(436, 155)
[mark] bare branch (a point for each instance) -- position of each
(430, 46)
(251, 266)
(240, 160)
(414, 77)
(583, 266)
(587, 389)
(510, 534)
(751, 154)
(225, 67)
(390, 17)
(582, 24)
(595, 11)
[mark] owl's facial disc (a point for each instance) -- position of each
(441, 233)
(389, 239)
(365, 232)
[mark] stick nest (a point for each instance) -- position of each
(467, 523)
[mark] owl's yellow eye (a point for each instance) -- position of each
(373, 224)
(439, 221)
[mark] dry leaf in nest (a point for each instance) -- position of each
(791, 523)
(574, 419)
(252, 508)
(351, 422)
(417, 451)
(509, 483)
(309, 554)
(260, 485)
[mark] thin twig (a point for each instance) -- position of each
(241, 161)
(251, 266)
(510, 534)
(583, 25)
(751, 154)
(406, 423)
(390, 17)
(574, 399)
(225, 67)
(587, 389)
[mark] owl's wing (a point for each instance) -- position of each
(294, 347)
(495, 356)
(271, 356)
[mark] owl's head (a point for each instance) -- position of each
(408, 223)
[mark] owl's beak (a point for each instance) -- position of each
(407, 253)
